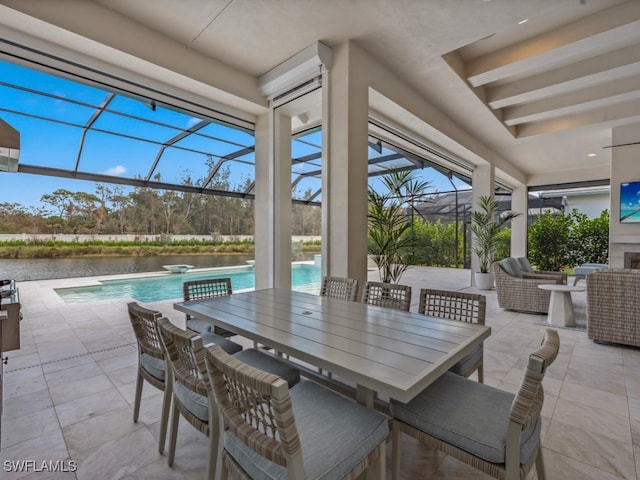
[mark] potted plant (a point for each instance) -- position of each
(486, 226)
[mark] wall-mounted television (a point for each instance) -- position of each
(630, 202)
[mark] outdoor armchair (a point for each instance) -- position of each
(521, 293)
(492, 430)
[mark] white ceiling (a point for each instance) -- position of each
(541, 95)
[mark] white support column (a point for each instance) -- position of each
(345, 172)
(520, 204)
(273, 200)
(483, 184)
(263, 209)
(282, 199)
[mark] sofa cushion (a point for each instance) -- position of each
(524, 264)
(511, 266)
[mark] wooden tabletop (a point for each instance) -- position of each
(382, 350)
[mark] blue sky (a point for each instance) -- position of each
(46, 143)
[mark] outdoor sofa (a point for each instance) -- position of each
(613, 306)
(517, 285)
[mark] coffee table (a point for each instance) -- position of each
(560, 304)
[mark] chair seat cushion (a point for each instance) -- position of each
(198, 326)
(152, 365)
(226, 344)
(336, 434)
(197, 404)
(469, 415)
(464, 365)
(271, 364)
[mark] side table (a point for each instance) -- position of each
(560, 304)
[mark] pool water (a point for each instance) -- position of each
(166, 287)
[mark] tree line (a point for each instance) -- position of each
(146, 211)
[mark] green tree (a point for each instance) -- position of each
(548, 241)
(435, 243)
(589, 239)
(61, 200)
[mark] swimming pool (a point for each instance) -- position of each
(304, 277)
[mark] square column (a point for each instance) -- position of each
(520, 204)
(273, 200)
(345, 171)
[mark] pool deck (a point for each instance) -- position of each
(68, 392)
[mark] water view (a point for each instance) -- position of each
(50, 268)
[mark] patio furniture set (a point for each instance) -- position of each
(269, 417)
(612, 297)
(519, 287)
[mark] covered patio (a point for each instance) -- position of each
(513, 96)
(69, 393)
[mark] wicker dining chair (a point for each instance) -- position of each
(464, 307)
(151, 363)
(388, 295)
(206, 288)
(192, 395)
(340, 288)
(492, 430)
(305, 432)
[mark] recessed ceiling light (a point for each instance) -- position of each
(523, 21)
(591, 155)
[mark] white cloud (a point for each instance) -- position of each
(116, 171)
(193, 121)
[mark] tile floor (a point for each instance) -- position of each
(68, 395)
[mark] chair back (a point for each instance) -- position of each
(527, 404)
(185, 353)
(462, 306)
(207, 288)
(143, 321)
(388, 295)
(340, 288)
(256, 407)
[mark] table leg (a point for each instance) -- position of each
(561, 309)
(365, 396)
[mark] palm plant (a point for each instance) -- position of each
(486, 226)
(389, 224)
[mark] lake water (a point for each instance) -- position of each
(49, 268)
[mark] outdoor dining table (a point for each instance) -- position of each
(381, 350)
